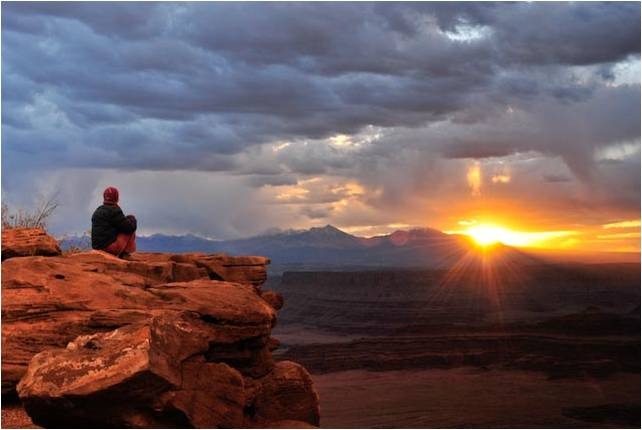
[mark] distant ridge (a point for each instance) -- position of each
(331, 248)
(319, 247)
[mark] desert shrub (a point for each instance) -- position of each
(37, 218)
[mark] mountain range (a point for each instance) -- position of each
(321, 247)
(332, 249)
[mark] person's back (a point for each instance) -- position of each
(111, 230)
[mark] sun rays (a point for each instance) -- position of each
(482, 281)
(486, 234)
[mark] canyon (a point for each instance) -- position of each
(501, 345)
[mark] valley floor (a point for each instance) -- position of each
(547, 346)
(471, 397)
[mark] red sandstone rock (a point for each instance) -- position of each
(241, 269)
(48, 301)
(227, 268)
(211, 395)
(19, 242)
(145, 368)
(159, 340)
(273, 298)
(252, 357)
(273, 343)
(290, 424)
(286, 393)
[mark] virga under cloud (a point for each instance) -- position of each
(397, 99)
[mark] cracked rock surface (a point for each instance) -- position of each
(162, 340)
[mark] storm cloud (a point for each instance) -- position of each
(377, 104)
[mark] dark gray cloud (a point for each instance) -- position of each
(556, 178)
(214, 86)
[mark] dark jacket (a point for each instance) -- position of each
(106, 222)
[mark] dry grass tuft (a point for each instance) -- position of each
(37, 218)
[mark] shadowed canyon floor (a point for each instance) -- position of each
(469, 397)
(538, 346)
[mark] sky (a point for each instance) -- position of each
(228, 120)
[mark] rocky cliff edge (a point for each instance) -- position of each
(160, 340)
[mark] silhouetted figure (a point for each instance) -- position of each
(111, 230)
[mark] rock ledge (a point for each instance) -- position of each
(162, 340)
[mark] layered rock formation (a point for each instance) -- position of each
(396, 302)
(566, 321)
(156, 341)
(20, 242)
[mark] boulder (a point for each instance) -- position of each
(20, 242)
(137, 375)
(211, 395)
(273, 298)
(286, 393)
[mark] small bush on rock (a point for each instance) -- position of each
(37, 218)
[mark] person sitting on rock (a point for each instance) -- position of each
(111, 230)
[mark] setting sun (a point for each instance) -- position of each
(490, 234)
(486, 235)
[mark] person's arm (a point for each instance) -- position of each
(133, 221)
(124, 224)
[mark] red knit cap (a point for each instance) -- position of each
(110, 196)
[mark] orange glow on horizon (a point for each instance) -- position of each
(485, 214)
(491, 234)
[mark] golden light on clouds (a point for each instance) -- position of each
(280, 146)
(349, 189)
(341, 140)
(467, 222)
(295, 193)
(370, 230)
(623, 224)
(487, 219)
(623, 236)
(474, 178)
(500, 178)
(320, 193)
(292, 192)
(618, 236)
